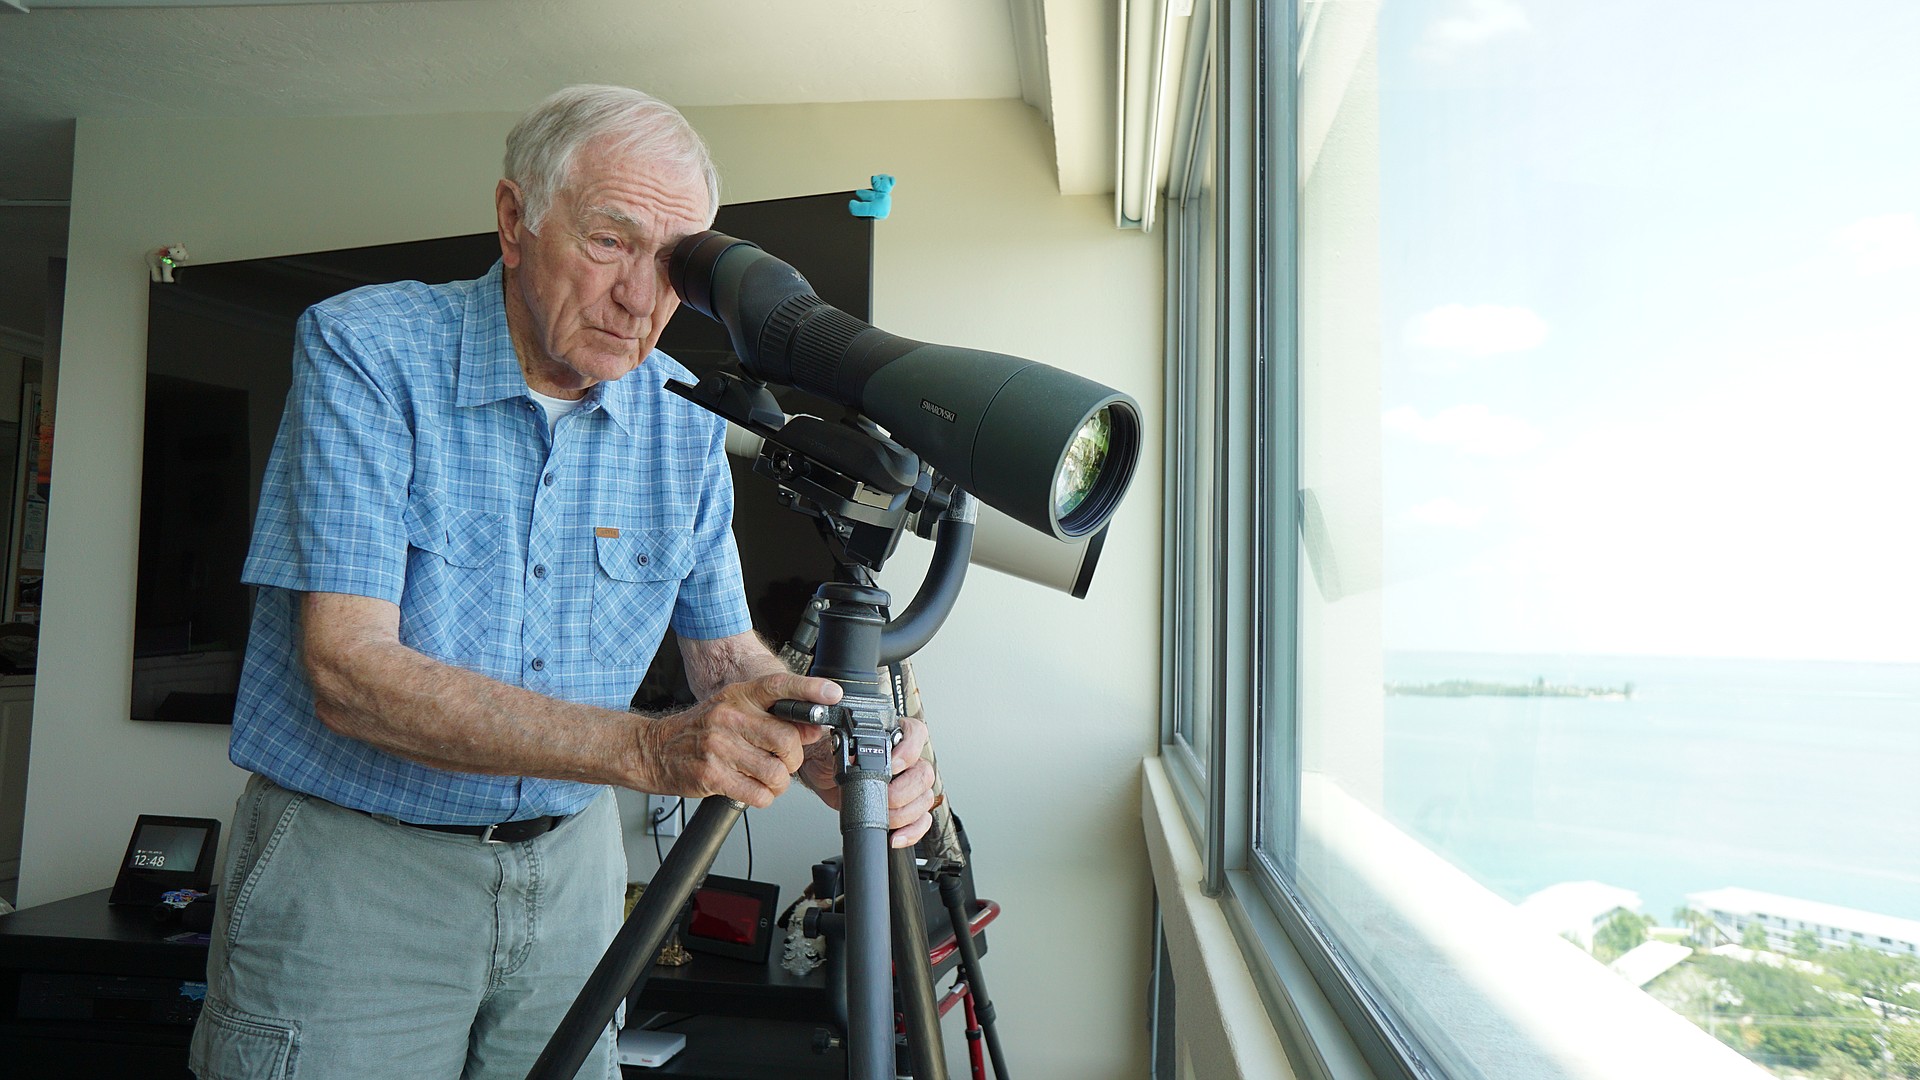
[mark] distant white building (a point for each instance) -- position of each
(1575, 909)
(1784, 917)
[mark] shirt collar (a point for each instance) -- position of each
(489, 370)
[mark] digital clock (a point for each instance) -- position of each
(163, 854)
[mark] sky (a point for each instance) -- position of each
(1650, 314)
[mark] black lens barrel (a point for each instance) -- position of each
(999, 426)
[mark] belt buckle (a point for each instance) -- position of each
(486, 837)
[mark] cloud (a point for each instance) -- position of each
(1472, 429)
(1645, 529)
(1444, 513)
(1472, 23)
(1883, 244)
(1478, 330)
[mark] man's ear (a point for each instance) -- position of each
(510, 209)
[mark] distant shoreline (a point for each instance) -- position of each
(1538, 688)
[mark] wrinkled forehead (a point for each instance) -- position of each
(605, 166)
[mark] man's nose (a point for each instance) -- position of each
(640, 286)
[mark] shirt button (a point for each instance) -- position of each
(540, 570)
(538, 664)
(641, 559)
(547, 479)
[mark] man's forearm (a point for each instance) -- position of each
(409, 704)
(717, 662)
(369, 686)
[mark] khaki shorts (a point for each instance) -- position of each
(346, 945)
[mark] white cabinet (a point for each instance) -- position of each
(16, 725)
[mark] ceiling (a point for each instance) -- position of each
(60, 61)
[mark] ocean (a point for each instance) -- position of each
(1798, 778)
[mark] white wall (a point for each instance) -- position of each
(1042, 705)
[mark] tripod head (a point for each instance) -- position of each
(862, 487)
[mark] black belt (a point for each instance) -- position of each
(507, 832)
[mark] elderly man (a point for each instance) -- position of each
(481, 513)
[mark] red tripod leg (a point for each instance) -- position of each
(975, 1053)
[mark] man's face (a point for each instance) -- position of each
(588, 296)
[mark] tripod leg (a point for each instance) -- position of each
(863, 837)
(912, 970)
(974, 1055)
(956, 903)
(625, 964)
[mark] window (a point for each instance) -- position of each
(1581, 341)
(1194, 450)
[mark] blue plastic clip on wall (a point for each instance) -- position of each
(874, 202)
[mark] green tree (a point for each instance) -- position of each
(1789, 1019)
(1702, 931)
(1754, 936)
(1621, 933)
(1875, 974)
(1806, 944)
(1903, 1040)
(1841, 1066)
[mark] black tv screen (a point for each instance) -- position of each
(219, 347)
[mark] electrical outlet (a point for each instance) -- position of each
(663, 815)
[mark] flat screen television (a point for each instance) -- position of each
(219, 343)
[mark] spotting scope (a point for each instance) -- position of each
(1046, 447)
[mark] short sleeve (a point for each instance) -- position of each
(712, 602)
(332, 503)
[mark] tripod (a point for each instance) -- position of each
(864, 489)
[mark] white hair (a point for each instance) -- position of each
(541, 148)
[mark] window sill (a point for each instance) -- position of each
(1509, 1000)
(1506, 992)
(1221, 1025)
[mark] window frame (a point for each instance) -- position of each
(1179, 637)
(1326, 1015)
(1244, 56)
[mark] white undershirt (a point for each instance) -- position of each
(555, 407)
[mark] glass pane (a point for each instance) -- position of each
(1199, 340)
(1609, 323)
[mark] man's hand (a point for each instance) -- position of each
(730, 745)
(909, 793)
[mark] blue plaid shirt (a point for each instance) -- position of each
(413, 466)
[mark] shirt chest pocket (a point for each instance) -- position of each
(453, 557)
(639, 577)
